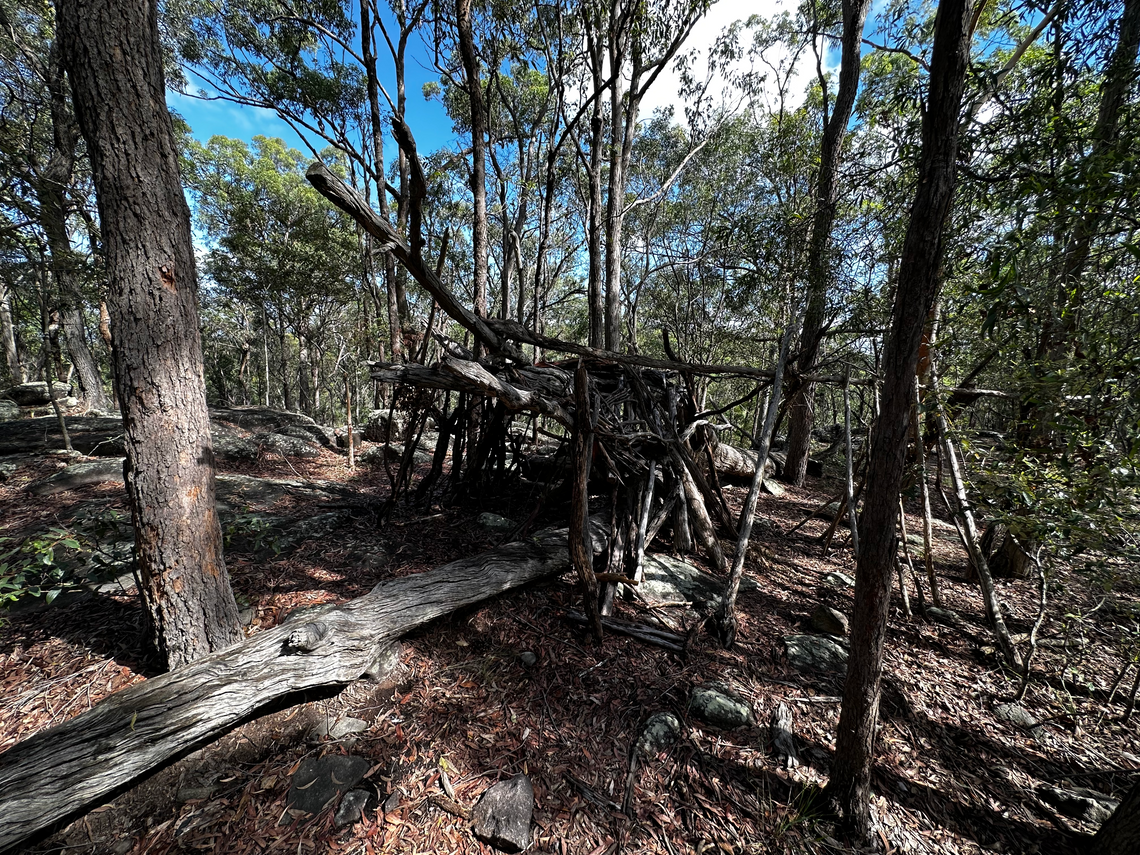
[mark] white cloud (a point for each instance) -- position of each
(665, 91)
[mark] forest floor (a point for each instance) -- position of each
(950, 777)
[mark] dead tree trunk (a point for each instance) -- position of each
(65, 769)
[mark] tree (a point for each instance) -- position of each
(1120, 834)
(801, 413)
(111, 51)
(850, 784)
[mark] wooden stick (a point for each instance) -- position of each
(581, 553)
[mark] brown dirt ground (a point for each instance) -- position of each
(950, 776)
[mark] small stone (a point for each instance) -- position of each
(946, 617)
(773, 487)
(829, 620)
(495, 522)
(354, 803)
(392, 803)
(245, 616)
(839, 580)
(528, 659)
(502, 814)
(816, 653)
(1019, 716)
(123, 846)
(714, 704)
(319, 782)
(661, 730)
(339, 728)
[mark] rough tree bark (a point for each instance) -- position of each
(111, 50)
(8, 336)
(801, 411)
(1120, 834)
(849, 789)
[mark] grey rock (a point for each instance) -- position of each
(661, 730)
(319, 782)
(670, 580)
(502, 815)
(1019, 716)
(35, 394)
(7, 470)
(714, 704)
(96, 436)
(393, 801)
(233, 444)
(8, 410)
(528, 659)
(246, 490)
(773, 487)
(838, 580)
(262, 419)
(1079, 803)
(387, 663)
(339, 728)
(246, 616)
(816, 653)
(313, 433)
(495, 522)
(105, 471)
(829, 620)
(352, 806)
(290, 446)
(123, 846)
(382, 428)
(946, 617)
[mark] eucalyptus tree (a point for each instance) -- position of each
(278, 248)
(113, 59)
(801, 411)
(45, 169)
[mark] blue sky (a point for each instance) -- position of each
(427, 119)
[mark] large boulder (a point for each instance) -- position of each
(384, 426)
(8, 410)
(100, 436)
(35, 394)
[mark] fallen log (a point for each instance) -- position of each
(71, 767)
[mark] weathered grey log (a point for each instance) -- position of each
(74, 765)
(534, 390)
(738, 462)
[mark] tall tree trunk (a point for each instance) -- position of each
(376, 130)
(595, 292)
(111, 50)
(52, 190)
(8, 336)
(615, 194)
(479, 238)
(801, 411)
(849, 789)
